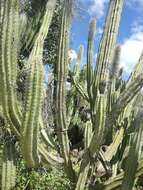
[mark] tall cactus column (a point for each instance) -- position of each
(108, 41)
(8, 62)
(31, 120)
(8, 167)
(60, 90)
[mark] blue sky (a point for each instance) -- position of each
(130, 32)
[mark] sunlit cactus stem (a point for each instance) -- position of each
(107, 44)
(31, 120)
(8, 166)
(60, 90)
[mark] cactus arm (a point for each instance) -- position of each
(8, 167)
(124, 99)
(30, 124)
(11, 61)
(98, 136)
(105, 53)
(130, 92)
(90, 58)
(87, 134)
(32, 27)
(3, 83)
(116, 182)
(78, 62)
(113, 77)
(71, 109)
(47, 139)
(138, 69)
(100, 123)
(112, 149)
(61, 75)
(114, 70)
(75, 77)
(80, 90)
(45, 136)
(1, 12)
(50, 158)
(134, 153)
(6, 94)
(113, 182)
(31, 121)
(46, 156)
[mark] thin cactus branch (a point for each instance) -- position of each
(60, 77)
(107, 44)
(138, 69)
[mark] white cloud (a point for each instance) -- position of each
(97, 8)
(131, 51)
(132, 47)
(72, 55)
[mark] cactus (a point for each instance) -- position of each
(60, 77)
(8, 63)
(31, 118)
(8, 167)
(135, 153)
(98, 102)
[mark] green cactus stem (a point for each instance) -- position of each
(87, 134)
(133, 156)
(90, 58)
(98, 136)
(30, 124)
(114, 70)
(48, 158)
(112, 149)
(116, 182)
(8, 167)
(107, 44)
(124, 99)
(8, 64)
(137, 69)
(60, 92)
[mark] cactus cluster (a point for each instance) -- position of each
(99, 103)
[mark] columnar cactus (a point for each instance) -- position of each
(107, 116)
(8, 167)
(60, 93)
(30, 125)
(8, 63)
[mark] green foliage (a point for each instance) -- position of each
(41, 179)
